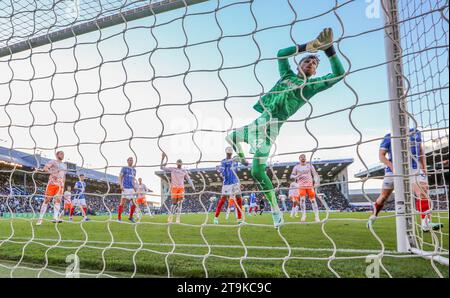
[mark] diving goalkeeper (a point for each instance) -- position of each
(288, 95)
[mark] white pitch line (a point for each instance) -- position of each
(344, 250)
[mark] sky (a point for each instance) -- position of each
(133, 92)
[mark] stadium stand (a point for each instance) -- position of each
(23, 191)
(333, 174)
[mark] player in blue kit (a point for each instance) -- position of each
(231, 186)
(418, 179)
(127, 182)
(79, 198)
(252, 204)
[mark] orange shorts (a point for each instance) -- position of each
(232, 202)
(307, 191)
(140, 201)
(295, 199)
(53, 190)
(177, 193)
(67, 206)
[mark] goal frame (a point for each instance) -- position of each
(129, 15)
(404, 204)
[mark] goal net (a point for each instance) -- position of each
(425, 91)
(105, 80)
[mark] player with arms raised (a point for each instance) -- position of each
(141, 192)
(127, 182)
(289, 94)
(231, 186)
(307, 179)
(55, 187)
(418, 179)
(177, 177)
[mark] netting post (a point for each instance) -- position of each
(399, 125)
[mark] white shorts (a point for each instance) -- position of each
(416, 176)
(232, 189)
(252, 204)
(79, 202)
(128, 193)
(294, 192)
(388, 181)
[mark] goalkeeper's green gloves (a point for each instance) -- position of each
(323, 42)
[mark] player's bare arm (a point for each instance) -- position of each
(121, 181)
(188, 178)
(383, 159)
(294, 174)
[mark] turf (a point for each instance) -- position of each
(108, 248)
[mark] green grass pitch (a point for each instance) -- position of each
(110, 247)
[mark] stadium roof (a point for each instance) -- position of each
(12, 156)
(325, 168)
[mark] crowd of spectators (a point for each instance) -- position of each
(207, 200)
(440, 201)
(19, 199)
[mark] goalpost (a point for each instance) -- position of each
(416, 57)
(77, 25)
(401, 120)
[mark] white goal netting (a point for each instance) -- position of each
(104, 80)
(424, 43)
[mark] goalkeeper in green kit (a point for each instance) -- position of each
(288, 95)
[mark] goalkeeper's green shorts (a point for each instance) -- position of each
(260, 135)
